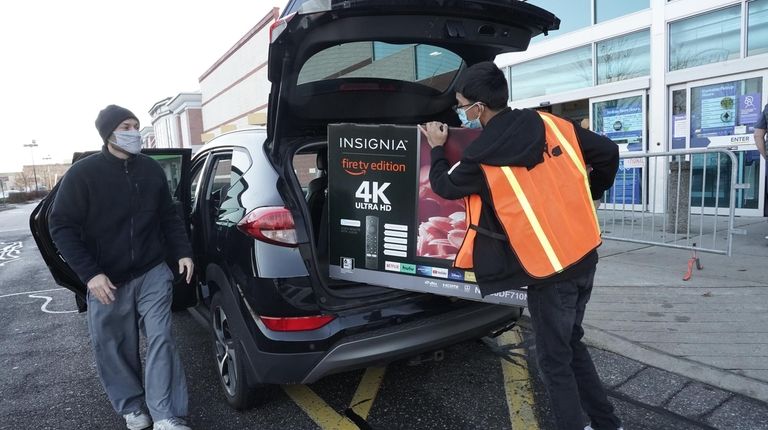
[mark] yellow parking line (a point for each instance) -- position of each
(366, 392)
(517, 385)
(317, 409)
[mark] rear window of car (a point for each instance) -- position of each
(424, 64)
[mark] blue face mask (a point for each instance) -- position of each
(468, 123)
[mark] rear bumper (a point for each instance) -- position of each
(405, 340)
(364, 349)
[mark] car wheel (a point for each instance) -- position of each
(230, 360)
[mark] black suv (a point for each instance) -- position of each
(259, 229)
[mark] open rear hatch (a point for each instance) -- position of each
(376, 62)
(472, 30)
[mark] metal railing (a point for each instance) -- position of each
(674, 199)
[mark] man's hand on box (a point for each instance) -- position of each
(436, 132)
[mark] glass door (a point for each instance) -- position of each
(622, 118)
(721, 113)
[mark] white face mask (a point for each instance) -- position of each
(129, 141)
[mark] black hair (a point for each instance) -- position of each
(484, 82)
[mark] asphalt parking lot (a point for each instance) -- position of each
(48, 379)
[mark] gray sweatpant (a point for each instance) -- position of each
(143, 303)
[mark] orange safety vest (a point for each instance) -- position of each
(547, 212)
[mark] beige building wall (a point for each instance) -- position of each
(47, 176)
(235, 90)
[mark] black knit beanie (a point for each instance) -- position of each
(109, 118)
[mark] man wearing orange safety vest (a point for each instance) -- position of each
(529, 197)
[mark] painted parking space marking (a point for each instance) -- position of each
(328, 418)
(10, 252)
(366, 392)
(517, 382)
(317, 409)
(38, 295)
(44, 306)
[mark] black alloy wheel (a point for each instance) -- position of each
(230, 360)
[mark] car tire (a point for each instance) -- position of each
(229, 358)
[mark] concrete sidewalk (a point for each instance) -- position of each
(713, 328)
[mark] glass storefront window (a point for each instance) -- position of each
(609, 9)
(757, 33)
(573, 14)
(723, 110)
(624, 57)
(709, 38)
(556, 73)
(711, 180)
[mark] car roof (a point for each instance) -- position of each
(226, 140)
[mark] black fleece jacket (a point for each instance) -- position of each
(514, 138)
(116, 217)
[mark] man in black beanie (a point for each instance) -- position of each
(114, 222)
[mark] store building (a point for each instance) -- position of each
(148, 137)
(176, 122)
(657, 75)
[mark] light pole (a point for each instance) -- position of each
(31, 147)
(47, 178)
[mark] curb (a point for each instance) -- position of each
(698, 371)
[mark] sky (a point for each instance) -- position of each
(64, 61)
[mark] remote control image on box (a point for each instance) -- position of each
(372, 242)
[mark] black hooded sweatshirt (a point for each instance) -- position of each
(514, 138)
(116, 217)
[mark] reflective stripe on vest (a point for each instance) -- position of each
(547, 212)
(472, 206)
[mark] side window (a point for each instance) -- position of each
(231, 210)
(218, 184)
(197, 173)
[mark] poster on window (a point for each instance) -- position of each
(718, 109)
(679, 131)
(627, 186)
(386, 225)
(624, 125)
(749, 111)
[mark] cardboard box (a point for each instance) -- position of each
(387, 226)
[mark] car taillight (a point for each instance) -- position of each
(277, 27)
(271, 224)
(296, 323)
